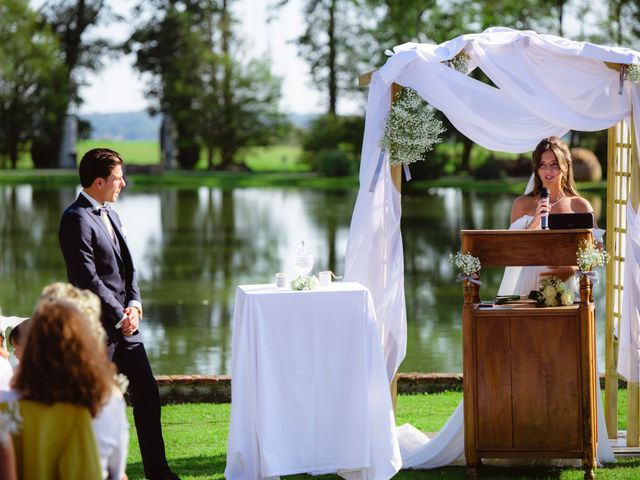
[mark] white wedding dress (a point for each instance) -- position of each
(447, 446)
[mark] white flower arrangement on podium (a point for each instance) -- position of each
(468, 265)
(590, 256)
(553, 292)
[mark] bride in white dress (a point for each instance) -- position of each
(553, 170)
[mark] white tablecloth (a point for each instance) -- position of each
(309, 386)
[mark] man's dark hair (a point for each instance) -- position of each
(98, 163)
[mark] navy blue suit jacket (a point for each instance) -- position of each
(97, 263)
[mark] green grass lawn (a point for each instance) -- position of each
(196, 441)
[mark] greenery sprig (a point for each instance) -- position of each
(552, 292)
(411, 128)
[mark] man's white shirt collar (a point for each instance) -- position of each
(94, 203)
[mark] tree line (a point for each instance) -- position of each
(223, 98)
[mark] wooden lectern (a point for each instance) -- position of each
(529, 372)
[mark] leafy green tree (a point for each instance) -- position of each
(621, 25)
(215, 97)
(170, 47)
(70, 21)
(29, 68)
(331, 46)
(240, 98)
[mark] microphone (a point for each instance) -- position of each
(544, 196)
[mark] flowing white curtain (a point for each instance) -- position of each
(546, 86)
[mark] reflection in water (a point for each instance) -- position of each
(192, 247)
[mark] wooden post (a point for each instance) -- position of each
(396, 175)
(589, 376)
(610, 364)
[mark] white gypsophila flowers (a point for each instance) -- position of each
(460, 62)
(466, 263)
(590, 256)
(633, 73)
(305, 282)
(411, 128)
(10, 420)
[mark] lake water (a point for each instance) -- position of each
(192, 247)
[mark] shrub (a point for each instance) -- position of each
(490, 170)
(334, 163)
(333, 144)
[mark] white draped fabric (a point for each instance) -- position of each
(546, 86)
(629, 329)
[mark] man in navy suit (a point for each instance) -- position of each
(98, 259)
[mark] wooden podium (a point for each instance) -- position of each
(529, 372)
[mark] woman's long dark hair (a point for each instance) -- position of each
(563, 156)
(62, 359)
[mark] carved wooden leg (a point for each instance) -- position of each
(589, 473)
(589, 466)
(472, 471)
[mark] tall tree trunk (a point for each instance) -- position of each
(560, 7)
(333, 76)
(467, 145)
(226, 83)
(209, 157)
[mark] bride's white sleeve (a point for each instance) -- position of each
(511, 276)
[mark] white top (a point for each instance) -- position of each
(111, 429)
(310, 391)
(6, 374)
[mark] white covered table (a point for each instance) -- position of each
(309, 386)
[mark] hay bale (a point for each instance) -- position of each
(586, 167)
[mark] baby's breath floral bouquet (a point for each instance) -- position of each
(305, 282)
(590, 256)
(460, 62)
(411, 128)
(633, 73)
(468, 265)
(552, 292)
(10, 421)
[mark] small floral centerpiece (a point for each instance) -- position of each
(411, 128)
(305, 282)
(590, 256)
(10, 421)
(468, 265)
(552, 292)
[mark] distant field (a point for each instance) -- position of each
(274, 158)
(137, 152)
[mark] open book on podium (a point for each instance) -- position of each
(529, 372)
